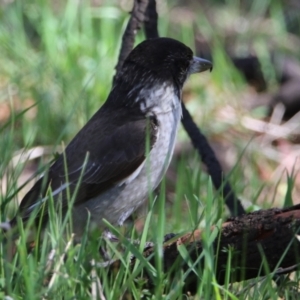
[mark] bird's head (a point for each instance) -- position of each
(163, 59)
(153, 75)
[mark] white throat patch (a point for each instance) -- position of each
(160, 100)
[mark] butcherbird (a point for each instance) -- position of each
(124, 150)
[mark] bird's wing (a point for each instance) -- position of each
(91, 171)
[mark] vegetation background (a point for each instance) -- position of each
(57, 61)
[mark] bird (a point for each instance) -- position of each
(124, 150)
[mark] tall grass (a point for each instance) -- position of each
(57, 62)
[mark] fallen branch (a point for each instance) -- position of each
(259, 243)
(263, 236)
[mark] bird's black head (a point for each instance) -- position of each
(162, 59)
(159, 59)
(152, 64)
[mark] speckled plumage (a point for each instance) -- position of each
(109, 170)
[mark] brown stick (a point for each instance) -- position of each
(151, 18)
(263, 235)
(250, 240)
(199, 141)
(134, 24)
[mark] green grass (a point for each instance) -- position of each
(57, 63)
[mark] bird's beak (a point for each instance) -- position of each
(200, 65)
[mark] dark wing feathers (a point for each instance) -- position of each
(114, 154)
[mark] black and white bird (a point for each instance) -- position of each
(124, 150)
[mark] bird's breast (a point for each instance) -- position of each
(161, 154)
(118, 203)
